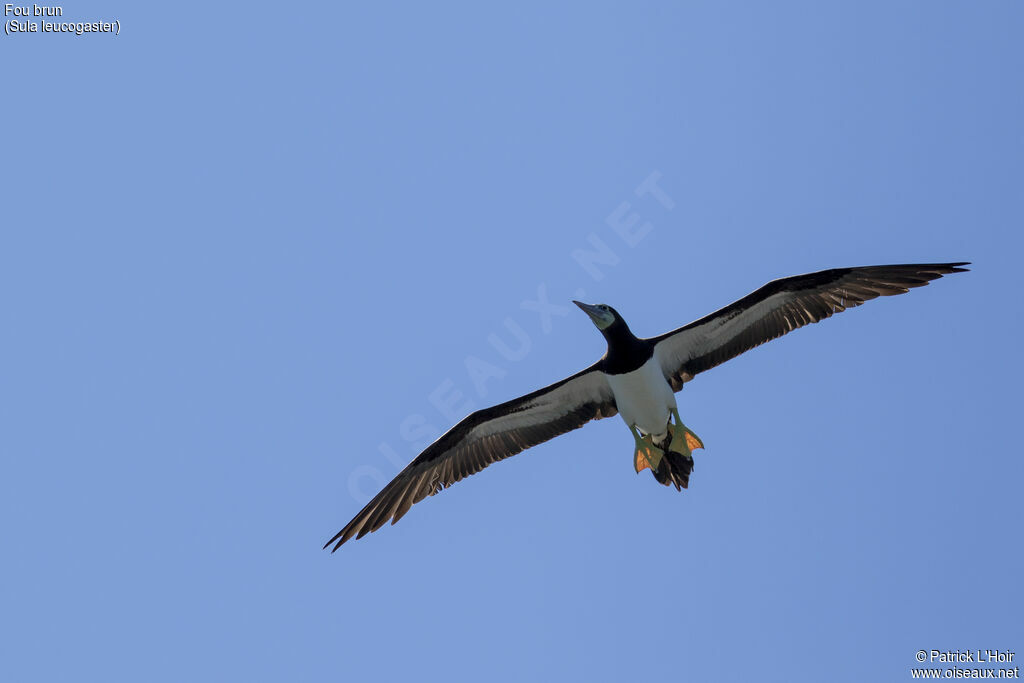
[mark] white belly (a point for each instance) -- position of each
(644, 398)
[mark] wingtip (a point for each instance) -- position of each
(332, 541)
(950, 268)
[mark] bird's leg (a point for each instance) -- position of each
(647, 454)
(683, 441)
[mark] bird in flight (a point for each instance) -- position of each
(636, 378)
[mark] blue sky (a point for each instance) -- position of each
(244, 245)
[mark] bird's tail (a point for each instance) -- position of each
(674, 469)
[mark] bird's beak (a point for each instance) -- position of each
(600, 318)
(592, 311)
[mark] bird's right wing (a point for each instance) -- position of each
(483, 438)
(779, 307)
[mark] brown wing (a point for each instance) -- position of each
(779, 307)
(483, 438)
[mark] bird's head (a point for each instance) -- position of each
(602, 315)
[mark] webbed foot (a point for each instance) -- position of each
(647, 454)
(684, 441)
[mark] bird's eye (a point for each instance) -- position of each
(603, 307)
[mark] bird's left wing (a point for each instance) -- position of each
(483, 438)
(779, 307)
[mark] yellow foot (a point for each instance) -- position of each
(684, 441)
(647, 454)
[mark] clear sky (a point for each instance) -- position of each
(253, 256)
